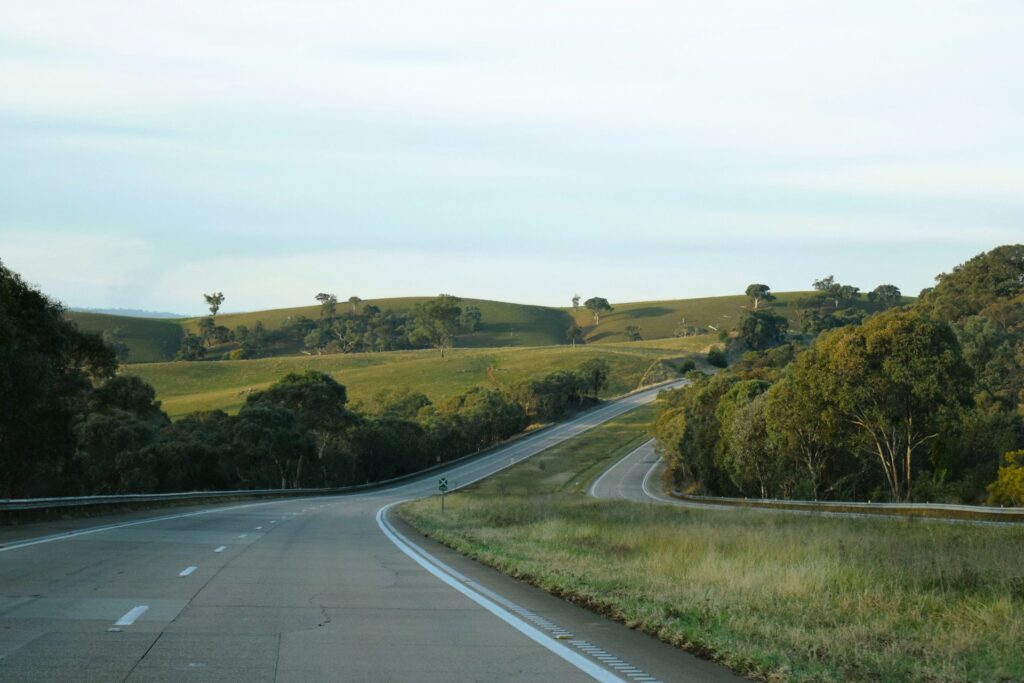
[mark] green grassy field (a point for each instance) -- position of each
(184, 387)
(148, 339)
(776, 596)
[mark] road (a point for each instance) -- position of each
(329, 588)
(637, 477)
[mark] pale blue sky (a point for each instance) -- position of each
(150, 151)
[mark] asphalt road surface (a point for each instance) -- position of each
(329, 588)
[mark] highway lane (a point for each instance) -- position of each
(327, 588)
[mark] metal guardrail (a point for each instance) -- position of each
(935, 510)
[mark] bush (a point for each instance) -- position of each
(717, 357)
(1008, 488)
(686, 366)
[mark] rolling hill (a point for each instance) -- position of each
(185, 387)
(149, 340)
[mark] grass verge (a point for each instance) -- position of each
(774, 596)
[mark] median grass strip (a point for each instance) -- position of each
(775, 596)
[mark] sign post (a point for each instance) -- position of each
(442, 486)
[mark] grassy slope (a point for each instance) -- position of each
(504, 324)
(774, 595)
(148, 339)
(658, 319)
(184, 387)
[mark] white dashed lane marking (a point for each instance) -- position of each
(131, 615)
(221, 549)
(187, 570)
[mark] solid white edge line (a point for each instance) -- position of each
(433, 565)
(131, 615)
(643, 485)
(187, 570)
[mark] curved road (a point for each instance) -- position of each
(328, 588)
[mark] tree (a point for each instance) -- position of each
(122, 418)
(214, 301)
(575, 302)
(269, 446)
(802, 423)
(1008, 488)
(761, 330)
(328, 304)
(470, 319)
(632, 333)
(835, 292)
(191, 347)
(750, 456)
(716, 357)
(981, 281)
(318, 402)
(594, 373)
(574, 333)
(597, 306)
(206, 330)
(888, 296)
(897, 380)
(113, 339)
(354, 301)
(759, 293)
(47, 369)
(436, 321)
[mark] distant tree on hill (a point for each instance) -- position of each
(759, 293)
(470, 319)
(835, 292)
(574, 333)
(597, 305)
(191, 347)
(214, 301)
(435, 322)
(575, 302)
(355, 301)
(761, 330)
(328, 304)
(632, 333)
(886, 295)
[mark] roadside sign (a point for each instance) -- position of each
(442, 484)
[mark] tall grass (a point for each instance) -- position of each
(774, 595)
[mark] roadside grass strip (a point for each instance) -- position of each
(776, 597)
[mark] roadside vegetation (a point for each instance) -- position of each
(921, 402)
(773, 595)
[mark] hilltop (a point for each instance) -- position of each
(504, 324)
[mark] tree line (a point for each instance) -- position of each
(360, 327)
(918, 402)
(70, 425)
